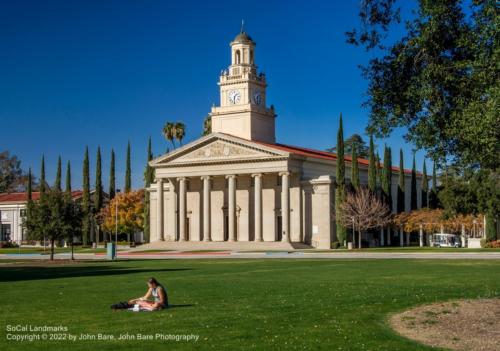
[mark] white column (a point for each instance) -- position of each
(408, 239)
(285, 206)
(182, 209)
(401, 237)
(206, 208)
(159, 209)
(421, 235)
(258, 206)
(231, 209)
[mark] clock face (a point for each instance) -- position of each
(257, 97)
(234, 96)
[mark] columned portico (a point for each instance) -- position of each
(182, 209)
(231, 208)
(206, 208)
(285, 205)
(258, 206)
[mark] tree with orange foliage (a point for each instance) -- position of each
(130, 213)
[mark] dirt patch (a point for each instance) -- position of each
(458, 325)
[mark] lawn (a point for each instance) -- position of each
(237, 304)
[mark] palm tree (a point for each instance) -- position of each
(207, 125)
(169, 133)
(179, 131)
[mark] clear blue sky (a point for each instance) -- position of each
(77, 73)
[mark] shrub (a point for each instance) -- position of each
(495, 244)
(335, 245)
(8, 244)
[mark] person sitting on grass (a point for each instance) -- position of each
(159, 294)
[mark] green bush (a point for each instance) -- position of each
(335, 245)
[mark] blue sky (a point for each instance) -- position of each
(77, 73)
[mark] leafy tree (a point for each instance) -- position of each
(439, 80)
(130, 213)
(401, 184)
(112, 187)
(340, 182)
(207, 126)
(372, 170)
(128, 171)
(72, 213)
(355, 170)
(86, 210)
(148, 179)
(413, 183)
(387, 178)
(425, 186)
(12, 177)
(354, 142)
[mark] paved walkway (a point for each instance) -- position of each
(266, 255)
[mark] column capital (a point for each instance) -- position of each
(180, 178)
(284, 173)
(229, 176)
(257, 175)
(157, 180)
(207, 177)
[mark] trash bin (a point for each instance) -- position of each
(349, 245)
(111, 251)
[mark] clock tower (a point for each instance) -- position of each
(242, 111)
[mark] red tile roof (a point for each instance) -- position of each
(325, 155)
(22, 197)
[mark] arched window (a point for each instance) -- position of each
(237, 57)
(251, 57)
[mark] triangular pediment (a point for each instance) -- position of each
(219, 148)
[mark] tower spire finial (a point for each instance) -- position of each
(242, 25)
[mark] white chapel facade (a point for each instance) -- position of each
(238, 184)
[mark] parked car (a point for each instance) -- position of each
(445, 240)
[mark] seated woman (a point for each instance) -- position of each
(159, 294)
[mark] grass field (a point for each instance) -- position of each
(237, 304)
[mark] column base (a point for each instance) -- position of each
(207, 240)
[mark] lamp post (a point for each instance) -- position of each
(116, 222)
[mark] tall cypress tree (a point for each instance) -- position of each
(67, 190)
(372, 171)
(112, 189)
(413, 183)
(401, 184)
(29, 185)
(148, 179)
(340, 181)
(128, 172)
(433, 203)
(387, 177)
(42, 178)
(425, 186)
(98, 200)
(355, 169)
(86, 200)
(57, 183)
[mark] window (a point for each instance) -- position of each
(237, 57)
(23, 212)
(278, 183)
(251, 57)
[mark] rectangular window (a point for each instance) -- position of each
(278, 183)
(23, 212)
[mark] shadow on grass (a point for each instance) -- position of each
(11, 274)
(178, 306)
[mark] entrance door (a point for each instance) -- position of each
(226, 227)
(5, 232)
(279, 228)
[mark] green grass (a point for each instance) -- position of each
(238, 304)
